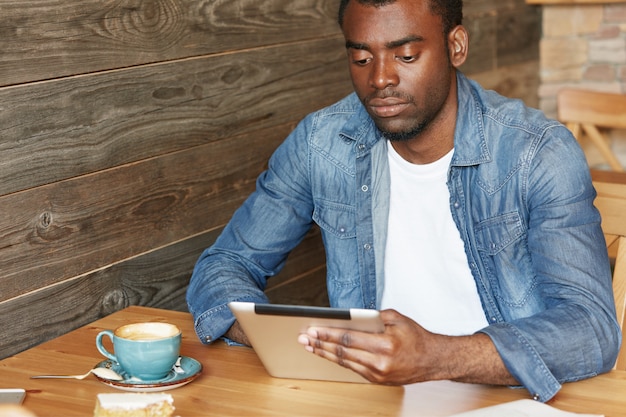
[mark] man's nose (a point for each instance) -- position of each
(384, 75)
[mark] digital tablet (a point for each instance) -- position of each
(273, 330)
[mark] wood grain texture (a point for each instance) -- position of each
(158, 278)
(72, 227)
(481, 7)
(70, 127)
(503, 35)
(235, 383)
(50, 39)
(303, 280)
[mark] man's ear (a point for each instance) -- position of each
(458, 45)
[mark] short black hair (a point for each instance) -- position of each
(451, 11)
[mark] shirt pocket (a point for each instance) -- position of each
(495, 234)
(337, 219)
(506, 260)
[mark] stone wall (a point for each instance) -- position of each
(584, 46)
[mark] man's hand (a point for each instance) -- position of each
(406, 353)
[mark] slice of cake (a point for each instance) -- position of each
(134, 405)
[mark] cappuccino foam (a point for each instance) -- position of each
(147, 331)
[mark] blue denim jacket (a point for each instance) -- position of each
(520, 195)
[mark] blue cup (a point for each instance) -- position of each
(146, 351)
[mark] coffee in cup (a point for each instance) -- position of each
(145, 351)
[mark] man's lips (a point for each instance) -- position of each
(387, 107)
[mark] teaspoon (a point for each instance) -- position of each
(101, 372)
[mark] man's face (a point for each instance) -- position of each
(399, 64)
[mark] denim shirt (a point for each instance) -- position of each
(520, 195)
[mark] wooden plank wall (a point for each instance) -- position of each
(130, 131)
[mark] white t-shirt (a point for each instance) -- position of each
(427, 276)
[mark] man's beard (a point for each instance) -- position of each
(410, 132)
(404, 135)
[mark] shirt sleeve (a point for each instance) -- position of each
(256, 242)
(575, 335)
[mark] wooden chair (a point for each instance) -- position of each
(611, 201)
(587, 111)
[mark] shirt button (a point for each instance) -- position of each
(456, 204)
(367, 246)
(208, 339)
(342, 230)
(364, 188)
(537, 397)
(361, 147)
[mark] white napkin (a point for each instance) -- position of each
(522, 408)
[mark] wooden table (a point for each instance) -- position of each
(234, 383)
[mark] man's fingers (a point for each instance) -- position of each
(345, 338)
(337, 345)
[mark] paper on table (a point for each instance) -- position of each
(522, 408)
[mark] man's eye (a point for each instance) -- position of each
(359, 56)
(407, 58)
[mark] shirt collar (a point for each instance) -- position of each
(469, 138)
(360, 127)
(470, 145)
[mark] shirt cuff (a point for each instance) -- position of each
(523, 361)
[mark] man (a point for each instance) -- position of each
(466, 217)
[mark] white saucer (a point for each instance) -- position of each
(185, 371)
